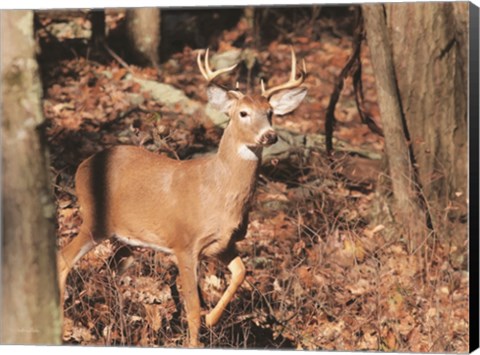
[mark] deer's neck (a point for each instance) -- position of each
(238, 165)
(236, 156)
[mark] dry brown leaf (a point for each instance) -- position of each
(396, 304)
(361, 287)
(153, 316)
(390, 341)
(371, 232)
(306, 277)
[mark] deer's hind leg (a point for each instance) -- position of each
(71, 253)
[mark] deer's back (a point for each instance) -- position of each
(129, 191)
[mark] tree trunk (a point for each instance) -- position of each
(30, 311)
(143, 33)
(426, 44)
(252, 28)
(401, 172)
(429, 43)
(97, 18)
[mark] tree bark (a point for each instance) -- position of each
(30, 311)
(97, 18)
(429, 43)
(143, 33)
(401, 172)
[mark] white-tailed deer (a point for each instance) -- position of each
(190, 208)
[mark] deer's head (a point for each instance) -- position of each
(251, 115)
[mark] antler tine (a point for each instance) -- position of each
(262, 85)
(205, 69)
(200, 66)
(293, 73)
(292, 82)
(207, 65)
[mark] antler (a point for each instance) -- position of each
(205, 68)
(292, 82)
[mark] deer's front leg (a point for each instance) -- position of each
(188, 278)
(237, 268)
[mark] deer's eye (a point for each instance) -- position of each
(243, 113)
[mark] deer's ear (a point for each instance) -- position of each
(286, 101)
(219, 98)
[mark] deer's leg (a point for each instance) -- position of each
(187, 267)
(237, 268)
(70, 254)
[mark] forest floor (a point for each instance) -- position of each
(322, 273)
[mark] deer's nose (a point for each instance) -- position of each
(269, 138)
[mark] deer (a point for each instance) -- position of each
(189, 208)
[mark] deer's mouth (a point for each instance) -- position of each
(268, 138)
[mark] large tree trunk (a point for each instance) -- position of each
(30, 311)
(401, 171)
(143, 33)
(429, 43)
(425, 55)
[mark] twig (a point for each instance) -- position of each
(168, 148)
(330, 115)
(358, 89)
(353, 67)
(117, 57)
(270, 309)
(66, 189)
(122, 115)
